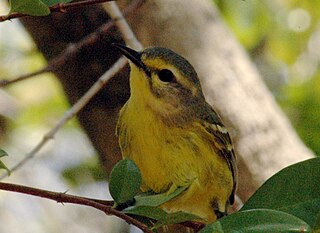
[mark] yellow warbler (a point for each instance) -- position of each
(174, 136)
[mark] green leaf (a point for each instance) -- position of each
(307, 210)
(2, 165)
(84, 172)
(146, 199)
(54, 2)
(3, 153)
(316, 227)
(146, 211)
(295, 190)
(162, 217)
(30, 7)
(125, 181)
(177, 217)
(213, 228)
(258, 221)
(146, 205)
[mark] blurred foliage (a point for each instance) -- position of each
(2, 165)
(35, 105)
(283, 38)
(85, 172)
(40, 100)
(302, 105)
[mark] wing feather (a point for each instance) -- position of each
(222, 143)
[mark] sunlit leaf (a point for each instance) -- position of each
(125, 181)
(258, 221)
(30, 7)
(2, 165)
(157, 199)
(162, 217)
(146, 211)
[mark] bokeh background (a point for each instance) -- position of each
(281, 36)
(283, 39)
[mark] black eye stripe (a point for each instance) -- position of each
(166, 75)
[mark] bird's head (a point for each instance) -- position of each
(162, 80)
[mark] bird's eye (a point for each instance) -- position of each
(166, 75)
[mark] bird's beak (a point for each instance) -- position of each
(132, 55)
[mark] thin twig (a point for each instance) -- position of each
(6, 82)
(60, 7)
(126, 31)
(71, 50)
(79, 104)
(105, 206)
(72, 111)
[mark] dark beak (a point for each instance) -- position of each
(132, 55)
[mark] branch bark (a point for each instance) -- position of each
(105, 206)
(71, 52)
(52, 34)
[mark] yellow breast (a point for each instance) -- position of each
(169, 156)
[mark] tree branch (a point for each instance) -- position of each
(105, 206)
(71, 51)
(60, 7)
(126, 31)
(6, 82)
(94, 89)
(72, 111)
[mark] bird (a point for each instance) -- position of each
(174, 136)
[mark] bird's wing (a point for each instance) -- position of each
(222, 143)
